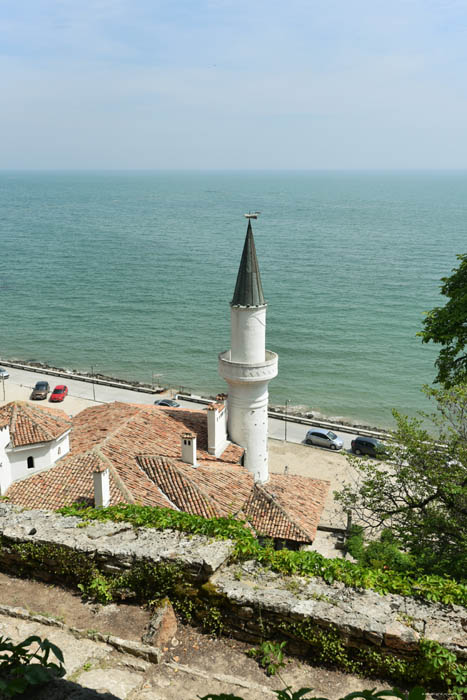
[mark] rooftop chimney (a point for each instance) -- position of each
(101, 488)
(189, 448)
(217, 426)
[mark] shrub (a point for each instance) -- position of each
(17, 670)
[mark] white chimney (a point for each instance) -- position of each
(217, 428)
(101, 488)
(189, 448)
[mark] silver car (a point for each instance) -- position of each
(324, 438)
(4, 374)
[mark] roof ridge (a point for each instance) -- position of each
(120, 425)
(29, 413)
(14, 413)
(126, 493)
(184, 477)
(281, 508)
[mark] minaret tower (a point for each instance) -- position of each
(248, 367)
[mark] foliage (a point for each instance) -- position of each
(302, 694)
(447, 326)
(432, 664)
(20, 667)
(382, 553)
(438, 663)
(150, 583)
(421, 493)
(429, 587)
(144, 581)
(163, 519)
(270, 656)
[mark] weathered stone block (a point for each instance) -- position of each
(162, 626)
(401, 637)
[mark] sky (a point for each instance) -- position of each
(233, 84)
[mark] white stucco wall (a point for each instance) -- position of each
(248, 425)
(188, 445)
(5, 468)
(217, 430)
(248, 333)
(248, 408)
(101, 482)
(45, 455)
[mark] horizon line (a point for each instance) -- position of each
(234, 170)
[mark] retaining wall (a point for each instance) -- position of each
(254, 603)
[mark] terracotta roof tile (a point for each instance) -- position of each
(68, 481)
(32, 424)
(184, 493)
(142, 446)
(286, 507)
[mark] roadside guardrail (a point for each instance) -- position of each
(290, 418)
(368, 432)
(80, 377)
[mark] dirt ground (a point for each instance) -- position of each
(317, 464)
(196, 662)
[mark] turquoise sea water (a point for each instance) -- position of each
(132, 273)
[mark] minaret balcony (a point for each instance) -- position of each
(243, 372)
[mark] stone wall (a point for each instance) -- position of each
(254, 604)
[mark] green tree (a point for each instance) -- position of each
(447, 325)
(420, 492)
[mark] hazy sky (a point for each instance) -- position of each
(233, 84)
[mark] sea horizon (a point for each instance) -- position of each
(135, 276)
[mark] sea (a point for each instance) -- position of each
(130, 274)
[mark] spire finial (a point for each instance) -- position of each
(248, 289)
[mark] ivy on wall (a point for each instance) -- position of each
(428, 587)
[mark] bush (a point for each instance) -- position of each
(379, 554)
(17, 670)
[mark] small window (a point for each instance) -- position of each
(59, 450)
(30, 462)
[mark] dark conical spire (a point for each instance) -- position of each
(248, 290)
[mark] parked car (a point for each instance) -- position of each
(59, 393)
(41, 390)
(167, 402)
(4, 374)
(324, 438)
(368, 446)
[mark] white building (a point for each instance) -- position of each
(248, 367)
(32, 439)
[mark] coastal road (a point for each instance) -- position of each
(83, 394)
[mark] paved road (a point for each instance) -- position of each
(83, 394)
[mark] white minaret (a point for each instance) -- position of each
(248, 367)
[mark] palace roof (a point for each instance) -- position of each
(32, 424)
(141, 447)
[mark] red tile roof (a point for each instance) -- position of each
(70, 480)
(141, 445)
(286, 507)
(33, 424)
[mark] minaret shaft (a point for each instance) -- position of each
(248, 333)
(248, 367)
